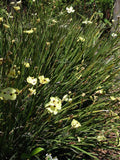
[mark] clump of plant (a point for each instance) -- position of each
(55, 94)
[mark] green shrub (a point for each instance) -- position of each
(75, 57)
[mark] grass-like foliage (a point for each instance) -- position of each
(57, 91)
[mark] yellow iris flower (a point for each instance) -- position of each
(9, 93)
(6, 26)
(75, 124)
(54, 105)
(32, 91)
(17, 8)
(28, 31)
(1, 19)
(32, 80)
(43, 80)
